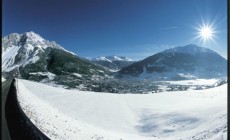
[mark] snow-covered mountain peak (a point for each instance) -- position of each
(33, 36)
(113, 62)
(22, 49)
(119, 58)
(29, 40)
(102, 58)
(113, 58)
(33, 40)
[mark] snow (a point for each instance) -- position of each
(9, 54)
(103, 59)
(89, 58)
(72, 114)
(101, 71)
(50, 75)
(77, 74)
(187, 75)
(13, 45)
(3, 79)
(173, 74)
(113, 70)
(35, 37)
(116, 58)
(43, 44)
(112, 58)
(30, 60)
(69, 52)
(8, 57)
(29, 47)
(208, 82)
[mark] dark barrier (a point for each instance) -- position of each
(19, 125)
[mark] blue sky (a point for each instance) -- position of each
(132, 28)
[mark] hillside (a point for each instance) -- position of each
(179, 63)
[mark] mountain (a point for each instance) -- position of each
(186, 62)
(22, 49)
(114, 62)
(29, 56)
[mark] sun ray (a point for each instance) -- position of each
(206, 32)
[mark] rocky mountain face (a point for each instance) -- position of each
(114, 63)
(29, 56)
(179, 63)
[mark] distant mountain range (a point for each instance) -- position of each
(179, 63)
(114, 63)
(29, 56)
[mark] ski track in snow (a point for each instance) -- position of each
(178, 115)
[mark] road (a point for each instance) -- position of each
(5, 89)
(16, 125)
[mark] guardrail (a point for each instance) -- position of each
(19, 125)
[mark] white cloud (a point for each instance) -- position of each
(168, 28)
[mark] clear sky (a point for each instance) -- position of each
(132, 28)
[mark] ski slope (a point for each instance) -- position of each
(72, 114)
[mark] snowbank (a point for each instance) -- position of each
(195, 82)
(71, 114)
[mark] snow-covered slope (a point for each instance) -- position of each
(71, 114)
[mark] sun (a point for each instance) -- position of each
(206, 32)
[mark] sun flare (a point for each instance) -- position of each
(206, 32)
